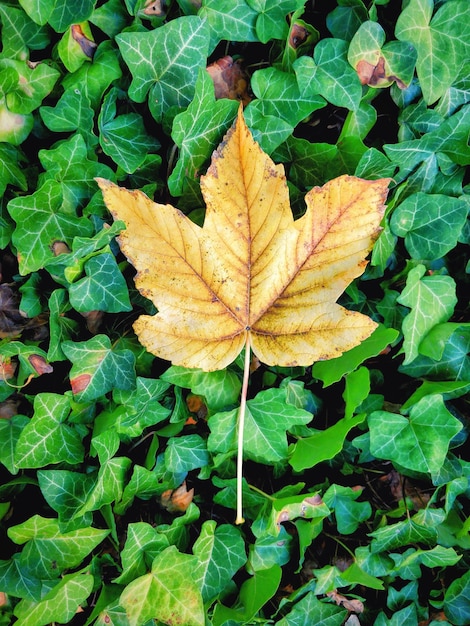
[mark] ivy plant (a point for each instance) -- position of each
(118, 470)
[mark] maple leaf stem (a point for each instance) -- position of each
(241, 425)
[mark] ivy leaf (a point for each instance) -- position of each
(71, 113)
(220, 388)
(143, 544)
(103, 289)
(98, 367)
(29, 85)
(60, 17)
(65, 492)
(378, 65)
(271, 22)
(233, 20)
(60, 604)
(267, 419)
(186, 453)
(323, 445)
(196, 131)
(124, 137)
(251, 275)
(278, 94)
(348, 513)
(221, 553)
(164, 62)
(48, 552)
(167, 593)
(40, 223)
(432, 300)
(433, 236)
(47, 438)
(69, 165)
(418, 442)
(329, 74)
(440, 40)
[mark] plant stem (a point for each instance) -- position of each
(241, 426)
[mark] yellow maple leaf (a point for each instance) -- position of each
(251, 275)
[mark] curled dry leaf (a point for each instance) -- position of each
(354, 605)
(251, 276)
(40, 364)
(12, 321)
(177, 500)
(8, 408)
(155, 8)
(230, 81)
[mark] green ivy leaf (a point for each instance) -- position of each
(108, 486)
(66, 492)
(346, 18)
(332, 371)
(329, 74)
(69, 165)
(254, 594)
(10, 431)
(61, 327)
(92, 79)
(327, 614)
(54, 12)
(142, 407)
(185, 453)
(40, 222)
(71, 113)
(32, 85)
(430, 224)
(456, 600)
(168, 593)
(323, 445)
(220, 388)
(418, 442)
(47, 438)
(60, 604)
(440, 40)
(348, 513)
(278, 94)
(20, 34)
(164, 62)
(271, 22)
(123, 137)
(143, 544)
(198, 130)
(403, 533)
(232, 20)
(454, 364)
(431, 299)
(103, 289)
(98, 367)
(267, 419)
(221, 553)
(48, 552)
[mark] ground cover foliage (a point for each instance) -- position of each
(117, 475)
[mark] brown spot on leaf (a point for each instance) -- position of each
(375, 75)
(80, 383)
(88, 46)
